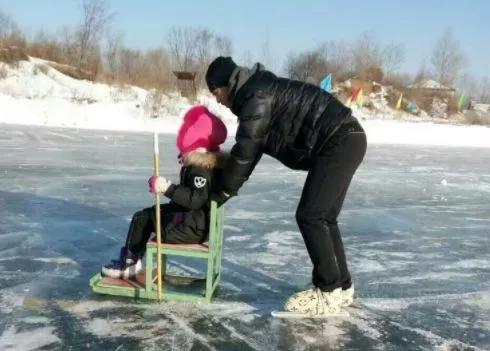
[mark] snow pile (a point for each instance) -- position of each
(425, 133)
(439, 108)
(33, 93)
(429, 84)
(482, 107)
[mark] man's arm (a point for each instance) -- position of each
(250, 138)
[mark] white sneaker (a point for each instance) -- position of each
(314, 302)
(122, 269)
(348, 296)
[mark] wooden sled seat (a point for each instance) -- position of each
(144, 285)
(200, 247)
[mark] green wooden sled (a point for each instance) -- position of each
(174, 287)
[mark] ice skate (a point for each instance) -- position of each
(347, 296)
(313, 303)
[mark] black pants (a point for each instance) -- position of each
(143, 224)
(321, 201)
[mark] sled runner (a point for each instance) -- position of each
(175, 287)
(296, 315)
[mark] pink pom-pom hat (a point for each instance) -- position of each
(200, 129)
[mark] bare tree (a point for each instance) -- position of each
(447, 59)
(181, 43)
(266, 55)
(339, 57)
(9, 31)
(96, 15)
(69, 45)
(484, 90)
(422, 73)
(393, 56)
(129, 65)
(193, 49)
(246, 59)
(157, 71)
(223, 46)
(114, 45)
(467, 84)
(309, 66)
(367, 57)
(203, 46)
(7, 25)
(203, 52)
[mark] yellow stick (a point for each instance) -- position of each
(158, 221)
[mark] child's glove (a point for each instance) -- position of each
(158, 184)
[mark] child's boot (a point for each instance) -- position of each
(127, 266)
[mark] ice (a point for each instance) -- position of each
(418, 250)
(36, 338)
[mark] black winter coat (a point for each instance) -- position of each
(286, 119)
(188, 211)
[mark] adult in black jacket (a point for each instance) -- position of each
(305, 128)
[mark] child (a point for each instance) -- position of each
(185, 220)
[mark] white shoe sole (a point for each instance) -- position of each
(347, 297)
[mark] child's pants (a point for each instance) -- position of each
(143, 225)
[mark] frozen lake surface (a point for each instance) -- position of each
(416, 226)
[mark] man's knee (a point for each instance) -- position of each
(307, 217)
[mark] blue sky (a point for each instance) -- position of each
(289, 25)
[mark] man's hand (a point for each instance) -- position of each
(158, 184)
(220, 197)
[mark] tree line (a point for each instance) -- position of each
(97, 50)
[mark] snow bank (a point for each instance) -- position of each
(35, 94)
(429, 84)
(425, 133)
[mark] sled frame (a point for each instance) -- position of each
(143, 286)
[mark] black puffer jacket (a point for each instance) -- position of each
(288, 120)
(188, 211)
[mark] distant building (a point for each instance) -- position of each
(433, 97)
(432, 87)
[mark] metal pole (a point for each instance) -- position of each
(158, 220)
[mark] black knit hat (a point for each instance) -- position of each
(219, 72)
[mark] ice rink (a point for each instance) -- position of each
(416, 227)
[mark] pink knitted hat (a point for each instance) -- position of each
(200, 128)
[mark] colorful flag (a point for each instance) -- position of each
(355, 94)
(360, 98)
(412, 107)
(461, 101)
(326, 83)
(399, 103)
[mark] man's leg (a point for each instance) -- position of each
(334, 231)
(323, 193)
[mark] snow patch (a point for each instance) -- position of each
(45, 97)
(12, 339)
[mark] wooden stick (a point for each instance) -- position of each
(158, 221)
